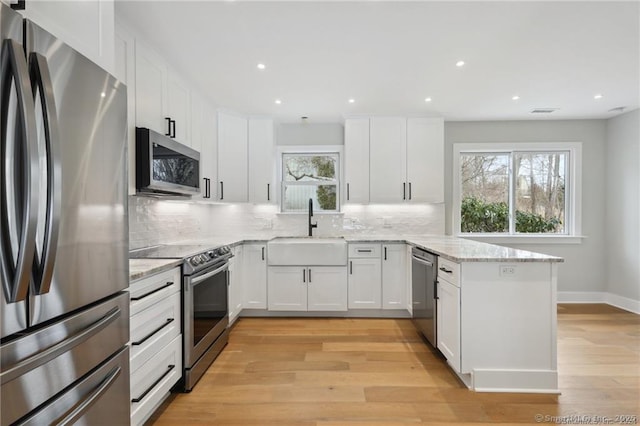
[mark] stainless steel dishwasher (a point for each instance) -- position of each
(424, 274)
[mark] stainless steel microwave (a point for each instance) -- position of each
(164, 166)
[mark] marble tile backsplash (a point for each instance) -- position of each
(155, 221)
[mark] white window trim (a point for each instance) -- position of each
(310, 149)
(574, 207)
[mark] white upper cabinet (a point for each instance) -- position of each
(356, 153)
(151, 76)
(87, 26)
(203, 139)
(406, 160)
(425, 160)
(232, 158)
(162, 98)
(387, 168)
(261, 161)
(179, 109)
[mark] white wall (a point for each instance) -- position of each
(622, 212)
(584, 267)
(310, 134)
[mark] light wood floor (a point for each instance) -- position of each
(328, 372)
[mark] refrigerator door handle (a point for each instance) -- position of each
(44, 261)
(88, 401)
(15, 268)
(34, 361)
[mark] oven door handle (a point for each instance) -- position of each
(199, 279)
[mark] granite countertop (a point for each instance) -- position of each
(140, 268)
(452, 248)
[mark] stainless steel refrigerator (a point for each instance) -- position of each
(64, 234)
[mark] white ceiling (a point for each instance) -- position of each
(389, 56)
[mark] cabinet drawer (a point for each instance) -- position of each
(449, 271)
(150, 290)
(153, 328)
(365, 250)
(150, 385)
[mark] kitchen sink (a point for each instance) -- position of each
(307, 251)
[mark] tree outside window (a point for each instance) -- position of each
(513, 192)
(310, 176)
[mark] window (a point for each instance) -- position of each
(310, 175)
(524, 189)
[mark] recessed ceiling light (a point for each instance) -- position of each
(598, 96)
(278, 101)
(351, 100)
(427, 99)
(103, 94)
(515, 98)
(459, 63)
(261, 66)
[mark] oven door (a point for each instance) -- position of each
(205, 310)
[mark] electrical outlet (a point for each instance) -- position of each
(507, 270)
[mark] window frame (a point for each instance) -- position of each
(573, 190)
(309, 150)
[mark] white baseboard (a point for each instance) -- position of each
(621, 302)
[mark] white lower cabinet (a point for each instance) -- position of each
(151, 383)
(300, 288)
(365, 278)
(365, 291)
(236, 280)
(448, 312)
(156, 342)
(394, 276)
(254, 276)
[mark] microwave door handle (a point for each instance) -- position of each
(42, 84)
(15, 269)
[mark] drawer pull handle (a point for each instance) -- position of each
(148, 336)
(153, 385)
(443, 269)
(364, 251)
(168, 284)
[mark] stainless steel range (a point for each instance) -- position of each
(205, 280)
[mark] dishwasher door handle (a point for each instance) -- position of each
(422, 261)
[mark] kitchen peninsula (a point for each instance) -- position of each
(496, 325)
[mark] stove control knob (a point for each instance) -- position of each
(211, 254)
(194, 261)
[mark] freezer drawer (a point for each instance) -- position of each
(99, 399)
(36, 366)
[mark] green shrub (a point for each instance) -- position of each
(480, 216)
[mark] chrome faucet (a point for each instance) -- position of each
(311, 225)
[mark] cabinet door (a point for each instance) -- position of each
(425, 160)
(448, 307)
(327, 288)
(255, 276)
(178, 108)
(394, 276)
(287, 289)
(150, 89)
(232, 158)
(208, 149)
(87, 26)
(356, 160)
(236, 280)
(261, 161)
(387, 170)
(365, 286)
